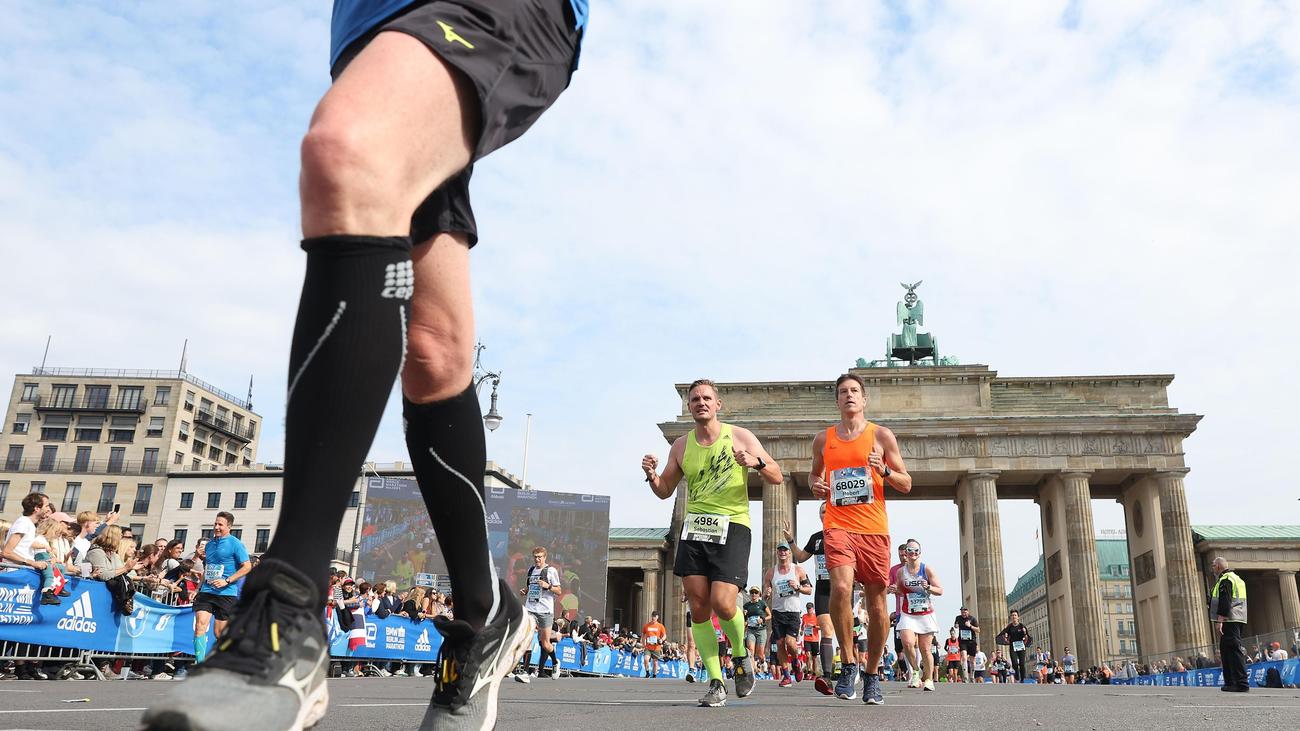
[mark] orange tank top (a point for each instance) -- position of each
(857, 502)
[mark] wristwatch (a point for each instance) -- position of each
(886, 472)
(761, 465)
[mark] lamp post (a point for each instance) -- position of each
(492, 419)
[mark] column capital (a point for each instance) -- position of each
(1085, 474)
(983, 474)
(1172, 473)
(1286, 572)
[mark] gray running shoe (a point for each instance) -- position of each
(871, 694)
(268, 670)
(743, 669)
(846, 687)
(717, 695)
(690, 676)
(471, 666)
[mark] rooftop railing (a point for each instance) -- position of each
(139, 373)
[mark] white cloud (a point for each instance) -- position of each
(723, 192)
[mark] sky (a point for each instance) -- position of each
(726, 190)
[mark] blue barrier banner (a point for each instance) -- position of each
(394, 637)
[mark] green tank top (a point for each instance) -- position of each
(715, 481)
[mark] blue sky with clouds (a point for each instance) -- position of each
(1084, 187)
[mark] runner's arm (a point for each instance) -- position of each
(805, 586)
(816, 482)
(935, 588)
(800, 554)
(663, 485)
(752, 451)
(898, 477)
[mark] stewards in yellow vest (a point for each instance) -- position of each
(1228, 608)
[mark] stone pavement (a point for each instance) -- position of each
(366, 704)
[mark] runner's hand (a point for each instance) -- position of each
(649, 464)
(785, 531)
(744, 458)
(877, 458)
(818, 486)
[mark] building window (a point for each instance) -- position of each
(14, 461)
(54, 434)
(116, 459)
(22, 423)
(189, 400)
(195, 465)
(143, 493)
(214, 454)
(197, 447)
(268, 500)
(180, 534)
(30, 392)
(238, 533)
(162, 395)
(107, 494)
(49, 455)
(89, 427)
(252, 429)
(206, 534)
(149, 464)
(185, 431)
(187, 500)
(63, 396)
(4, 493)
(179, 458)
(121, 436)
(38, 486)
(130, 397)
(214, 500)
(355, 499)
(137, 529)
(262, 541)
(155, 426)
(97, 397)
(70, 498)
(205, 406)
(82, 461)
(241, 500)
(122, 429)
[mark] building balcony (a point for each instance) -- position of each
(35, 465)
(225, 426)
(91, 404)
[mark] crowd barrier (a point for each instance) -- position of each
(1212, 677)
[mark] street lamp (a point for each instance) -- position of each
(492, 419)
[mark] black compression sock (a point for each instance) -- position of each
(348, 345)
(828, 659)
(446, 443)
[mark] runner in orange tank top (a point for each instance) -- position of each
(852, 463)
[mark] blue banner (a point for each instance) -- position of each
(394, 637)
(86, 620)
(1213, 677)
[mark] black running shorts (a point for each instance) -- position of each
(219, 605)
(728, 562)
(811, 648)
(822, 597)
(518, 57)
(969, 648)
(786, 624)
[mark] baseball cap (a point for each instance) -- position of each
(965, 609)
(784, 545)
(754, 590)
(62, 517)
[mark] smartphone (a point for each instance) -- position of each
(117, 507)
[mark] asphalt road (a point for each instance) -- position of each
(371, 704)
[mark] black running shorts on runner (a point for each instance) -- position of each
(822, 597)
(968, 647)
(517, 55)
(219, 605)
(811, 647)
(728, 562)
(786, 624)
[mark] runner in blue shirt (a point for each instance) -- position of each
(225, 563)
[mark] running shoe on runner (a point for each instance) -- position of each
(690, 676)
(522, 677)
(267, 672)
(716, 696)
(743, 670)
(929, 685)
(471, 666)
(915, 682)
(823, 686)
(846, 687)
(871, 694)
(786, 682)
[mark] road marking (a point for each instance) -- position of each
(19, 691)
(1243, 706)
(75, 710)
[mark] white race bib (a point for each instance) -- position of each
(706, 528)
(852, 486)
(1018, 646)
(785, 588)
(651, 641)
(823, 574)
(918, 603)
(964, 634)
(754, 620)
(808, 630)
(534, 591)
(211, 573)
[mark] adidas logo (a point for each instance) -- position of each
(494, 518)
(422, 644)
(79, 617)
(399, 281)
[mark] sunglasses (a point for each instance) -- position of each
(913, 552)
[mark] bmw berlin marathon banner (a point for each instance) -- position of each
(398, 542)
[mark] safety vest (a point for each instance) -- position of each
(1237, 604)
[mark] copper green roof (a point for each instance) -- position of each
(1112, 565)
(1246, 533)
(1027, 581)
(638, 534)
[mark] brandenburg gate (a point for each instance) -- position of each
(972, 437)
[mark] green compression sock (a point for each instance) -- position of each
(735, 629)
(706, 643)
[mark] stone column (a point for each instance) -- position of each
(1188, 619)
(990, 608)
(1290, 598)
(1085, 580)
(778, 508)
(649, 593)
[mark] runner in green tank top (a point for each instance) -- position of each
(713, 548)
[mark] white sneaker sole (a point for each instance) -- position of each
(313, 710)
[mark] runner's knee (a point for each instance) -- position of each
(439, 361)
(343, 183)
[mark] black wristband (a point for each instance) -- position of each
(761, 465)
